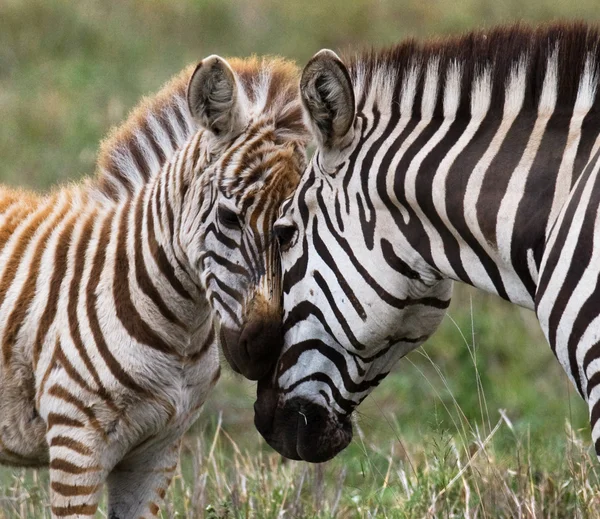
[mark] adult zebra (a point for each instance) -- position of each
(472, 159)
(108, 289)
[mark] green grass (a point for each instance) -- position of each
(432, 440)
(481, 420)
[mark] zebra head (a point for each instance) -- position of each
(356, 297)
(254, 154)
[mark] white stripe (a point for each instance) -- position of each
(584, 102)
(480, 103)
(451, 102)
(515, 190)
(513, 102)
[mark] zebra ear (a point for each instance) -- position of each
(328, 99)
(213, 97)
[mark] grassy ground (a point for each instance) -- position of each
(481, 422)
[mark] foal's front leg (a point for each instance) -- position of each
(137, 486)
(78, 470)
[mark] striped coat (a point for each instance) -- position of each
(475, 159)
(114, 292)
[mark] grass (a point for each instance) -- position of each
(443, 436)
(481, 422)
(443, 477)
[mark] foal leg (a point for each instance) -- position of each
(77, 472)
(137, 486)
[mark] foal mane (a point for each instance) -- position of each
(161, 124)
(155, 129)
(497, 51)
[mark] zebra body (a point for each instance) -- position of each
(473, 159)
(113, 293)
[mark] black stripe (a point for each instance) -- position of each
(390, 299)
(323, 252)
(534, 207)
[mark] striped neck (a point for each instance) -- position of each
(474, 175)
(161, 303)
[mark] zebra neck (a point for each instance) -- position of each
(477, 197)
(162, 289)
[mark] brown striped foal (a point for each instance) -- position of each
(115, 293)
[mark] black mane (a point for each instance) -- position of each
(498, 50)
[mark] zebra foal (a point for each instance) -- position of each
(474, 159)
(114, 293)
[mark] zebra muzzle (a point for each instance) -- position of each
(298, 428)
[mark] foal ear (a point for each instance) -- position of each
(328, 99)
(213, 97)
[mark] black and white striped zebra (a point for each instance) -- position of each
(473, 159)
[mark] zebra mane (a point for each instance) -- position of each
(161, 124)
(499, 53)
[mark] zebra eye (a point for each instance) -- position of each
(285, 234)
(228, 218)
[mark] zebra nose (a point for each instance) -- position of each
(300, 429)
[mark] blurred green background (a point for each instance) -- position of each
(71, 70)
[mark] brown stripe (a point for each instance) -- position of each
(70, 468)
(141, 273)
(209, 341)
(138, 157)
(60, 266)
(74, 490)
(166, 181)
(249, 135)
(195, 163)
(70, 369)
(61, 393)
(7, 200)
(156, 249)
(161, 260)
(165, 470)
(63, 511)
(73, 302)
(181, 119)
(98, 265)
(147, 131)
(70, 443)
(13, 217)
(252, 151)
(51, 365)
(161, 197)
(215, 377)
(154, 508)
(126, 310)
(13, 262)
(112, 170)
(163, 120)
(156, 195)
(61, 419)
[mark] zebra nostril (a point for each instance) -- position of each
(285, 235)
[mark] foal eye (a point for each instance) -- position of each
(227, 218)
(285, 234)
